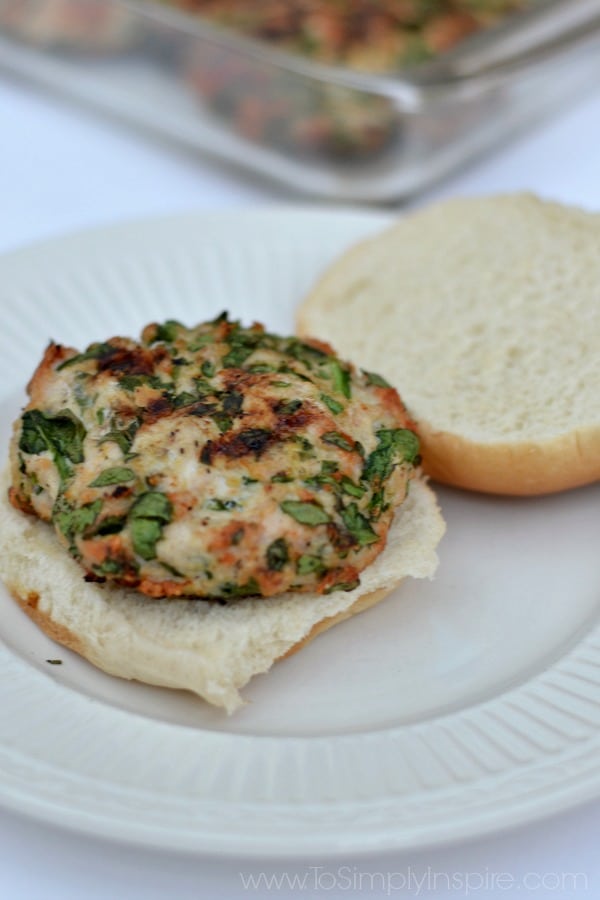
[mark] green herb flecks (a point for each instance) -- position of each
(242, 344)
(114, 475)
(237, 356)
(306, 513)
(306, 354)
(185, 398)
(343, 586)
(319, 481)
(152, 505)
(147, 518)
(395, 445)
(208, 369)
(230, 589)
(287, 370)
(221, 505)
(377, 504)
(340, 377)
(61, 434)
(338, 440)
(288, 407)
(73, 521)
(305, 448)
(374, 379)
(109, 567)
(131, 382)
(82, 396)
(307, 564)
(94, 351)
(123, 438)
(348, 487)
(231, 406)
(110, 525)
(145, 533)
(172, 570)
(277, 555)
(203, 388)
(201, 340)
(223, 422)
(261, 369)
(165, 331)
(358, 525)
(332, 404)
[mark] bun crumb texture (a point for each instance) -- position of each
(208, 648)
(485, 314)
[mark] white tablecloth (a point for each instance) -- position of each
(63, 169)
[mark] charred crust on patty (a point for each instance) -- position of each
(219, 461)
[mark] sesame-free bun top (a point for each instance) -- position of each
(485, 314)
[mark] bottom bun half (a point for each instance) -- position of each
(208, 648)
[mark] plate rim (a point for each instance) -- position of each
(256, 847)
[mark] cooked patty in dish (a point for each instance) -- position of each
(219, 461)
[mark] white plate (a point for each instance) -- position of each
(457, 707)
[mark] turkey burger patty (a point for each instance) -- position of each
(218, 461)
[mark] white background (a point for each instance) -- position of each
(62, 169)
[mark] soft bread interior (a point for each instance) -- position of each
(484, 313)
(208, 648)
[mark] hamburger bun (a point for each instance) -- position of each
(485, 314)
(212, 649)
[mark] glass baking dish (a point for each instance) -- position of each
(322, 130)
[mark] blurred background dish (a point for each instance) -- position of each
(93, 26)
(358, 101)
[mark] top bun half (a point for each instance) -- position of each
(485, 314)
